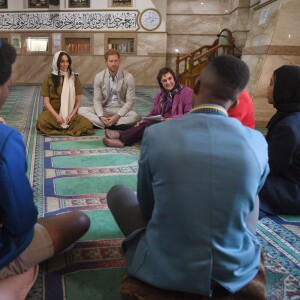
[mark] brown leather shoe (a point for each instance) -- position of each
(116, 143)
(112, 134)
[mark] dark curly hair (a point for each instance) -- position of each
(230, 74)
(7, 58)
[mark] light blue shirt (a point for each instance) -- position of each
(113, 100)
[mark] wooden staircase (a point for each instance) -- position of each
(189, 67)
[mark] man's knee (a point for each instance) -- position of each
(114, 194)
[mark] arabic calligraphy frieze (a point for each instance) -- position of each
(108, 20)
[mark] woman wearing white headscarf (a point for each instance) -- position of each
(61, 91)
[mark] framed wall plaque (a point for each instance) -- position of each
(79, 3)
(38, 3)
(3, 4)
(150, 19)
(121, 3)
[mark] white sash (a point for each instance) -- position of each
(67, 99)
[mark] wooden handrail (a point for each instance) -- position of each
(202, 49)
(189, 66)
(196, 63)
(179, 60)
(188, 57)
(227, 50)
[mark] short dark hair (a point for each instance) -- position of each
(111, 52)
(231, 76)
(162, 72)
(7, 58)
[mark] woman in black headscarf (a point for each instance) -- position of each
(281, 191)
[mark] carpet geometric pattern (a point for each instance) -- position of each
(280, 239)
(75, 173)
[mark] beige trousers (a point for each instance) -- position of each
(130, 118)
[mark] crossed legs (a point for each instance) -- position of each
(51, 236)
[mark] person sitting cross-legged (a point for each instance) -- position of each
(172, 102)
(114, 96)
(61, 91)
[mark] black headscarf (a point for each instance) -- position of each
(286, 94)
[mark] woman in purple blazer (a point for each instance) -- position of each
(173, 101)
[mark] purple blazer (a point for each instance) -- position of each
(182, 103)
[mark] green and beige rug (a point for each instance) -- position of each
(75, 173)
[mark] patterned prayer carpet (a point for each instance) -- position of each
(75, 173)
